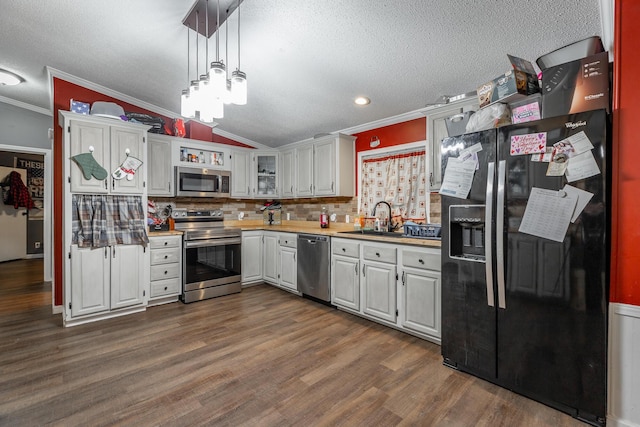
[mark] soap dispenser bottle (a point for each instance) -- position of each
(324, 218)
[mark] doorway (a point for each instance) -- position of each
(40, 245)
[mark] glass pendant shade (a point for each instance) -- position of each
(227, 94)
(239, 87)
(204, 87)
(186, 108)
(194, 94)
(218, 79)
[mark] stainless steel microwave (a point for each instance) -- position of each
(202, 182)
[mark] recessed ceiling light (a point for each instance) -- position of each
(8, 78)
(362, 100)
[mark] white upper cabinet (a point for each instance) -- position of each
(265, 175)
(241, 174)
(287, 174)
(304, 171)
(160, 175)
(106, 145)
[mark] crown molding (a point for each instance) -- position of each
(26, 106)
(411, 115)
(241, 139)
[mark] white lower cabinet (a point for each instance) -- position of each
(346, 281)
(104, 280)
(364, 281)
(271, 257)
(270, 248)
(379, 286)
(166, 269)
(251, 257)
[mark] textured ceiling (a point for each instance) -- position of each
(305, 59)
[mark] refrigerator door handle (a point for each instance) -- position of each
(500, 234)
(488, 214)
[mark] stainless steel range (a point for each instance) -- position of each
(211, 262)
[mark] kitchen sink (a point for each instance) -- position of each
(373, 233)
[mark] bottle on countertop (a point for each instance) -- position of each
(324, 218)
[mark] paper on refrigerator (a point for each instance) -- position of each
(583, 199)
(581, 166)
(548, 214)
(458, 177)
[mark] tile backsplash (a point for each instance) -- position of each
(298, 209)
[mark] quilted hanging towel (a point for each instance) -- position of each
(18, 193)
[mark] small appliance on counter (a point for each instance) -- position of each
(272, 213)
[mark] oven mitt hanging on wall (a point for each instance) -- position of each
(127, 168)
(90, 166)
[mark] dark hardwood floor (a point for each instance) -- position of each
(263, 357)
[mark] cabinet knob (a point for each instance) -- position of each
(167, 256)
(421, 261)
(378, 254)
(165, 243)
(165, 288)
(165, 272)
(344, 249)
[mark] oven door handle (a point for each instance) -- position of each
(212, 242)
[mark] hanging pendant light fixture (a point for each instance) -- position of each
(205, 97)
(238, 78)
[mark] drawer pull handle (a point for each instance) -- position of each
(165, 243)
(421, 261)
(165, 272)
(165, 288)
(378, 254)
(167, 256)
(344, 249)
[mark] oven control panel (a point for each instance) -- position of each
(183, 213)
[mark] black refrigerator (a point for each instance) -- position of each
(519, 308)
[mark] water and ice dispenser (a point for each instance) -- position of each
(466, 232)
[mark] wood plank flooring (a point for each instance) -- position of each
(263, 357)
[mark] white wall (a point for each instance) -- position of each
(24, 128)
(624, 366)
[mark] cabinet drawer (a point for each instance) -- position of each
(165, 287)
(165, 271)
(346, 248)
(418, 259)
(165, 242)
(379, 253)
(165, 256)
(289, 240)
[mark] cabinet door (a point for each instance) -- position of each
(345, 280)
(287, 173)
(270, 258)
(380, 290)
(89, 138)
(288, 268)
(324, 168)
(251, 257)
(124, 143)
(265, 174)
(304, 171)
(160, 172)
(240, 174)
(127, 275)
(421, 295)
(89, 280)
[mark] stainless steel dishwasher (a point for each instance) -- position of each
(314, 266)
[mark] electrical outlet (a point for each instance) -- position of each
(37, 245)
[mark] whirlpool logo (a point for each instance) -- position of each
(574, 125)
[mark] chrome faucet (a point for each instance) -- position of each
(373, 213)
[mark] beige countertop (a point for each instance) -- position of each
(334, 230)
(164, 233)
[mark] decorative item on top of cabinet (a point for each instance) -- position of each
(437, 131)
(166, 268)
